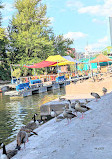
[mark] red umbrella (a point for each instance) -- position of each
(41, 64)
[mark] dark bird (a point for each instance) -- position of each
(7, 154)
(33, 124)
(81, 108)
(96, 95)
(104, 90)
(22, 137)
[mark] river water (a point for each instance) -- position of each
(18, 112)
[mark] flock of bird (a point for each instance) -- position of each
(70, 111)
(22, 138)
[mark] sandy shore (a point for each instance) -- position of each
(83, 90)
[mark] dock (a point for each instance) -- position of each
(39, 87)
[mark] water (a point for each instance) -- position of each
(16, 113)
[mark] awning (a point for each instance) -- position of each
(41, 64)
(59, 60)
(101, 58)
(69, 58)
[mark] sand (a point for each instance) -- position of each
(83, 90)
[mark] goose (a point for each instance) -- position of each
(96, 95)
(104, 90)
(81, 108)
(53, 113)
(22, 137)
(62, 99)
(86, 101)
(68, 115)
(9, 154)
(59, 118)
(72, 107)
(33, 124)
(29, 131)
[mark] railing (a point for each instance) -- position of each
(43, 78)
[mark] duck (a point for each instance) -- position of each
(53, 113)
(86, 101)
(68, 115)
(72, 107)
(62, 99)
(81, 108)
(33, 124)
(22, 137)
(96, 95)
(104, 90)
(59, 118)
(7, 154)
(29, 131)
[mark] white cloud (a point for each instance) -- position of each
(8, 7)
(100, 44)
(76, 4)
(104, 9)
(63, 10)
(75, 35)
(99, 21)
(51, 19)
(6, 18)
(99, 10)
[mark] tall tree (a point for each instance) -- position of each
(4, 68)
(29, 31)
(61, 44)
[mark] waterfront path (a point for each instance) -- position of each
(89, 138)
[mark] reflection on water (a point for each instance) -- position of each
(15, 113)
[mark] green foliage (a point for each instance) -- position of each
(61, 44)
(16, 73)
(29, 31)
(107, 50)
(81, 66)
(4, 72)
(72, 68)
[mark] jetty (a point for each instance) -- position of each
(30, 89)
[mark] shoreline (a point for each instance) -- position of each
(56, 140)
(80, 139)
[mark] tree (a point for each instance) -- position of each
(29, 31)
(81, 66)
(61, 44)
(4, 67)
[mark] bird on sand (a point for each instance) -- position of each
(81, 108)
(22, 137)
(104, 90)
(7, 154)
(96, 95)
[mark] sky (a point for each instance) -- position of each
(84, 21)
